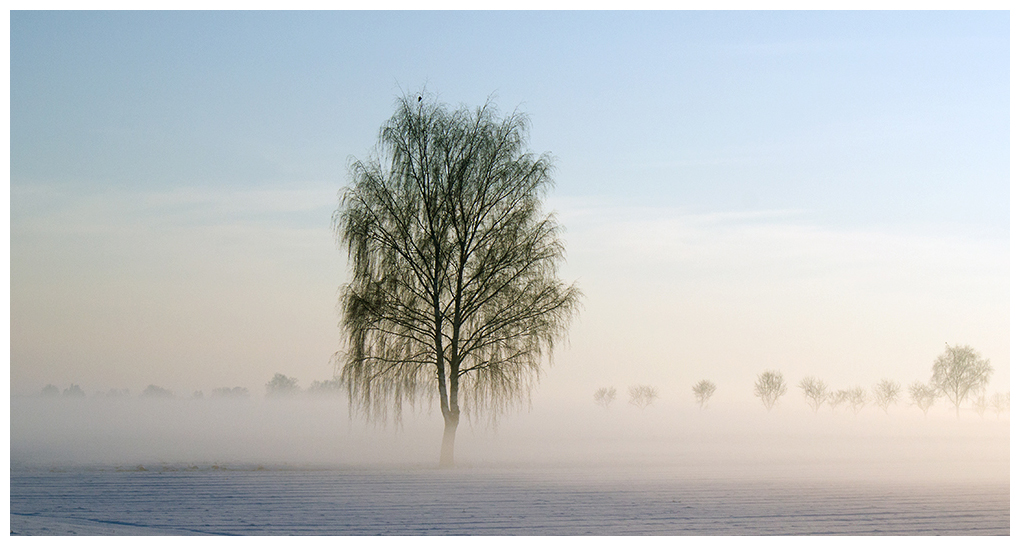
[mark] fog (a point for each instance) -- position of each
(719, 442)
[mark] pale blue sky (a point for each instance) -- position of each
(173, 176)
(851, 117)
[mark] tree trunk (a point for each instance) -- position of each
(449, 435)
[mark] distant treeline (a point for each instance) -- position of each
(279, 386)
(959, 375)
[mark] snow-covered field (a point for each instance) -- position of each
(96, 466)
(545, 501)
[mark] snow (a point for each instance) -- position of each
(486, 501)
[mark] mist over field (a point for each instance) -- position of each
(302, 464)
(315, 432)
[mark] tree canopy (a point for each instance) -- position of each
(703, 390)
(923, 396)
(816, 392)
(281, 385)
(769, 387)
(960, 372)
(605, 396)
(643, 396)
(454, 289)
(887, 392)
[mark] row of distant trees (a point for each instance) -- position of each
(279, 386)
(643, 396)
(959, 374)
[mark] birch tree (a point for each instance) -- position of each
(454, 291)
(643, 396)
(923, 396)
(887, 392)
(769, 387)
(703, 391)
(605, 396)
(960, 373)
(815, 392)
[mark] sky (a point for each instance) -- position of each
(820, 193)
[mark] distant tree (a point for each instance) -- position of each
(887, 392)
(605, 396)
(227, 392)
(74, 391)
(923, 396)
(981, 405)
(642, 396)
(152, 391)
(856, 397)
(703, 391)
(327, 387)
(198, 395)
(1000, 403)
(837, 399)
(959, 373)
(815, 392)
(769, 387)
(50, 391)
(454, 289)
(281, 385)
